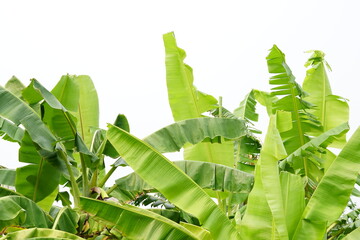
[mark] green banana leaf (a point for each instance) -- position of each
(219, 153)
(247, 110)
(48, 201)
(330, 110)
(13, 133)
(7, 177)
(314, 145)
(78, 95)
(333, 192)
(266, 99)
(206, 175)
(258, 222)
(15, 86)
(17, 111)
(7, 192)
(354, 235)
(88, 108)
(293, 195)
(265, 215)
(37, 181)
(291, 100)
(21, 211)
(200, 232)
(41, 234)
(52, 102)
(187, 102)
(225, 113)
(272, 151)
(148, 224)
(162, 174)
(66, 220)
(173, 137)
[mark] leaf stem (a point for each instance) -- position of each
(111, 189)
(85, 179)
(107, 176)
(74, 186)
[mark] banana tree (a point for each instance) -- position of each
(298, 191)
(60, 140)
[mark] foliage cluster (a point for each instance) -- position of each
(230, 185)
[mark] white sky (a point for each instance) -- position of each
(119, 44)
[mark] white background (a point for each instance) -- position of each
(119, 44)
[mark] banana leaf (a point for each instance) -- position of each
(21, 211)
(17, 111)
(333, 192)
(316, 144)
(272, 151)
(247, 108)
(206, 175)
(13, 133)
(291, 99)
(258, 222)
(265, 215)
(37, 181)
(330, 110)
(173, 137)
(148, 224)
(354, 235)
(15, 86)
(162, 174)
(88, 108)
(266, 99)
(52, 102)
(66, 220)
(7, 192)
(200, 232)
(293, 195)
(78, 95)
(187, 102)
(7, 177)
(41, 234)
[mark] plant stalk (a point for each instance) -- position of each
(111, 189)
(106, 177)
(74, 186)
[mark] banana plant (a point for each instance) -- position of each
(289, 187)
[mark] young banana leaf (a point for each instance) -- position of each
(291, 100)
(314, 146)
(330, 110)
(265, 214)
(156, 170)
(247, 110)
(187, 102)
